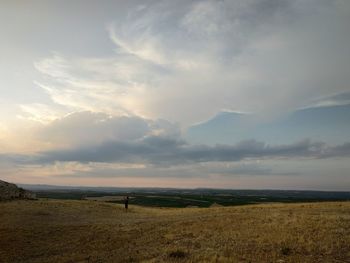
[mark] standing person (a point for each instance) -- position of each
(126, 203)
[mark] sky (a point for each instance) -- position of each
(243, 94)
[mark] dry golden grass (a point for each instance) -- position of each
(88, 231)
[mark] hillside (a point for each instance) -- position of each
(10, 191)
(90, 231)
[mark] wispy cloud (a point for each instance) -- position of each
(332, 100)
(255, 56)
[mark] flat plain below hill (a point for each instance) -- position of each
(90, 231)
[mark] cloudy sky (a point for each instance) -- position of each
(228, 94)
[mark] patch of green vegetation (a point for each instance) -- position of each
(188, 198)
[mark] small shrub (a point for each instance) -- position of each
(177, 254)
(285, 251)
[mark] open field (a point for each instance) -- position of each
(88, 231)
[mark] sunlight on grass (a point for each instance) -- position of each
(88, 231)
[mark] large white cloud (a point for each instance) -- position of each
(93, 128)
(186, 62)
(181, 61)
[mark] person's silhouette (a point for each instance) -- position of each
(126, 202)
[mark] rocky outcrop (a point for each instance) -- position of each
(10, 191)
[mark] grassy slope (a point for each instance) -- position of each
(88, 231)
